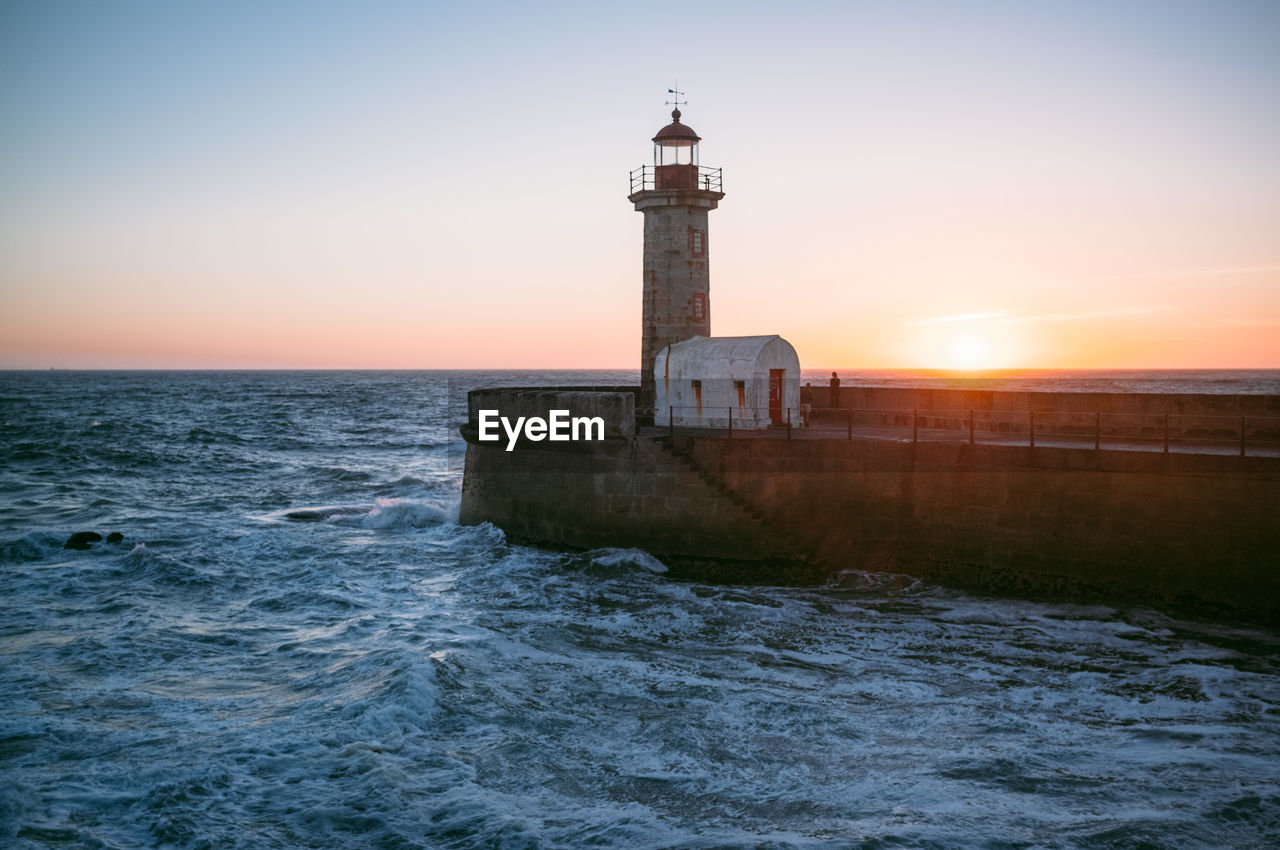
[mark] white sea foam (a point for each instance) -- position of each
(627, 557)
(407, 513)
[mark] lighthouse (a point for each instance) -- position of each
(675, 194)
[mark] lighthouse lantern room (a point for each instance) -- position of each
(675, 155)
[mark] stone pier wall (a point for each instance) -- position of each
(1192, 532)
(1189, 532)
(1189, 416)
(905, 398)
(620, 492)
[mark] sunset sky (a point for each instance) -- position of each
(443, 185)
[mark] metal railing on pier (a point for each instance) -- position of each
(1184, 433)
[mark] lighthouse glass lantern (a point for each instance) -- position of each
(675, 155)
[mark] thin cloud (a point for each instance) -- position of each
(963, 317)
(1219, 271)
(1023, 316)
(1114, 313)
(1251, 323)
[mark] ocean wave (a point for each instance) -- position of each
(630, 558)
(408, 513)
(321, 513)
(34, 545)
(209, 435)
(383, 513)
(338, 474)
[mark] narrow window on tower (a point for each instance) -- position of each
(697, 243)
(697, 394)
(699, 306)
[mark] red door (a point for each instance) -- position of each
(775, 395)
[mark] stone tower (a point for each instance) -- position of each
(675, 194)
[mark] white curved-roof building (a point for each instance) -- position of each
(708, 381)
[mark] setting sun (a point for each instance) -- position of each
(975, 341)
(969, 349)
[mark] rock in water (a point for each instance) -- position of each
(81, 540)
(115, 537)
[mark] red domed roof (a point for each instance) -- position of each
(676, 134)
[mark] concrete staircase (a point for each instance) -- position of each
(792, 549)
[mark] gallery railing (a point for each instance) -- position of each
(707, 179)
(1189, 433)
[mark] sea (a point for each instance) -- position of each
(294, 644)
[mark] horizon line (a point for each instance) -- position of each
(931, 369)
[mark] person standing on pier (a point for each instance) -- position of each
(834, 401)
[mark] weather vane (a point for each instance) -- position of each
(676, 101)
